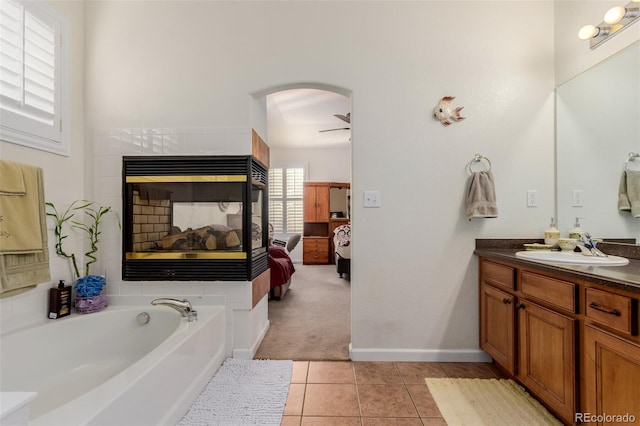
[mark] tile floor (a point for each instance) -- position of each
(345, 393)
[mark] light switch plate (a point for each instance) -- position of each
(372, 199)
(576, 197)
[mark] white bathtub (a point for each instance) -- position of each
(106, 369)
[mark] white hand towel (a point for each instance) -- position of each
(20, 215)
(11, 178)
(629, 192)
(481, 199)
(623, 197)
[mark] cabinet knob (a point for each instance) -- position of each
(521, 306)
(506, 301)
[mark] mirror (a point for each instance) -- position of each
(597, 126)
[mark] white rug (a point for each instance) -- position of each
(243, 392)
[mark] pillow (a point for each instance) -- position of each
(342, 236)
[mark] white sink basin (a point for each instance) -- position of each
(571, 257)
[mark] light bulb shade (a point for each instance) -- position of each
(587, 32)
(614, 15)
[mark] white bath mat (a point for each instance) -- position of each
(242, 392)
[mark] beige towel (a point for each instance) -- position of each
(629, 192)
(20, 272)
(481, 199)
(20, 214)
(11, 179)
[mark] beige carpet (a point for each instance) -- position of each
(313, 319)
(493, 402)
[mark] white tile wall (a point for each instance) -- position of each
(110, 146)
(24, 309)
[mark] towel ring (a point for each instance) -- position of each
(478, 158)
(632, 157)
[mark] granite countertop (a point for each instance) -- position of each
(625, 277)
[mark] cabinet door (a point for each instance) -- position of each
(309, 204)
(316, 203)
(612, 374)
(547, 356)
(322, 204)
(497, 324)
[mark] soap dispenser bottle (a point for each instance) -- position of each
(576, 231)
(59, 301)
(552, 234)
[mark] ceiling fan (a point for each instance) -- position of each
(345, 118)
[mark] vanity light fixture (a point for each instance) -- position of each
(591, 31)
(615, 20)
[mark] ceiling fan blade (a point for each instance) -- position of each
(333, 130)
(345, 118)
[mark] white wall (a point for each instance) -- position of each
(195, 64)
(330, 164)
(63, 176)
(190, 64)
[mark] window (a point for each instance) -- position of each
(285, 199)
(33, 101)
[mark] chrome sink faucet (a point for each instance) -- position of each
(587, 246)
(183, 306)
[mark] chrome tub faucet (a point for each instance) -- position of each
(183, 306)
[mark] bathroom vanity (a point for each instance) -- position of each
(568, 333)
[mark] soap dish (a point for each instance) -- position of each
(537, 246)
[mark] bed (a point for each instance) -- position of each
(342, 244)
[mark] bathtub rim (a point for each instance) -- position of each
(84, 409)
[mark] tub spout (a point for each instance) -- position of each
(183, 306)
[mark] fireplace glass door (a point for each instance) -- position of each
(190, 223)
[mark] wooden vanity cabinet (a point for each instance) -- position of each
(526, 335)
(612, 376)
(497, 326)
(572, 343)
(497, 313)
(547, 356)
(611, 355)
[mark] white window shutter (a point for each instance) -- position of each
(285, 199)
(31, 76)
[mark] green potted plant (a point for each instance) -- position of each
(90, 294)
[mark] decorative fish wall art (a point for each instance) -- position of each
(445, 113)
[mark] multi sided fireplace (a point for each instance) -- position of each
(191, 218)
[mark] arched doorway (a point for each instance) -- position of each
(308, 129)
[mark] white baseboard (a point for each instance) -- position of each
(248, 353)
(419, 355)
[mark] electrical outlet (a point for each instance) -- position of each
(532, 198)
(576, 196)
(372, 199)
